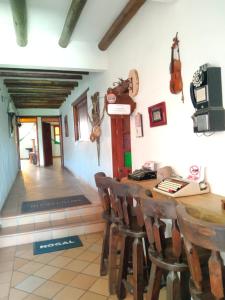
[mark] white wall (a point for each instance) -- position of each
(145, 45)
(8, 153)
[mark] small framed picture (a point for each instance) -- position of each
(157, 114)
(138, 125)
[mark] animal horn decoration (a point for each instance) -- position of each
(96, 121)
(176, 84)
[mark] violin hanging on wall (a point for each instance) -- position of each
(176, 84)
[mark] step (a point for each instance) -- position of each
(51, 215)
(51, 229)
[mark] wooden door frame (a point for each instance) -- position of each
(59, 120)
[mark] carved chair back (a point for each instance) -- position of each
(155, 213)
(102, 183)
(198, 233)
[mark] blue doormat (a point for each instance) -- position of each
(56, 245)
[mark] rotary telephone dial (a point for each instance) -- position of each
(199, 79)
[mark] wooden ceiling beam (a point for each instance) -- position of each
(56, 75)
(40, 83)
(121, 21)
(37, 100)
(38, 90)
(38, 106)
(45, 70)
(72, 18)
(29, 96)
(61, 99)
(19, 12)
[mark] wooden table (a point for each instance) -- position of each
(207, 207)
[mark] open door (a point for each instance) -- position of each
(47, 144)
(121, 146)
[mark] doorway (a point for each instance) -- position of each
(121, 146)
(28, 139)
(52, 141)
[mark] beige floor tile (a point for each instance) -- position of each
(73, 253)
(4, 288)
(97, 260)
(60, 261)
(19, 262)
(83, 281)
(69, 293)
(100, 287)
(92, 269)
(96, 248)
(64, 276)
(90, 295)
(30, 284)
(34, 297)
(6, 266)
(26, 254)
(88, 256)
(46, 272)
(45, 258)
(30, 267)
(17, 294)
(7, 254)
(76, 265)
(49, 289)
(18, 277)
(5, 277)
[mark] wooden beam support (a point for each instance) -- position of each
(44, 70)
(73, 15)
(29, 96)
(40, 74)
(59, 99)
(39, 90)
(19, 12)
(40, 83)
(121, 21)
(38, 106)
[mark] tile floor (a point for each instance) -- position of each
(64, 275)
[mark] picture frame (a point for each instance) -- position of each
(157, 114)
(66, 126)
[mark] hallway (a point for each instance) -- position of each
(38, 183)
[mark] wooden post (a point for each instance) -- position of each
(121, 21)
(19, 12)
(71, 21)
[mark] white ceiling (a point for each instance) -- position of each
(46, 19)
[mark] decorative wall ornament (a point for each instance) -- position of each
(96, 119)
(66, 126)
(118, 100)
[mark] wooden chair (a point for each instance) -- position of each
(103, 184)
(130, 231)
(206, 282)
(165, 250)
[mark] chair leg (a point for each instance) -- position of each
(105, 251)
(173, 286)
(123, 266)
(184, 284)
(113, 247)
(154, 283)
(138, 270)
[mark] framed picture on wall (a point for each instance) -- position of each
(157, 114)
(66, 126)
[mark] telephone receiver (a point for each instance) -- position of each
(192, 94)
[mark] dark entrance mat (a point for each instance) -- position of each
(56, 245)
(54, 203)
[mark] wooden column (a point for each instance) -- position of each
(121, 21)
(19, 12)
(71, 21)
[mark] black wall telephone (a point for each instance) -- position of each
(142, 174)
(206, 96)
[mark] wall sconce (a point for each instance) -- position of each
(11, 113)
